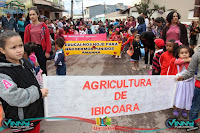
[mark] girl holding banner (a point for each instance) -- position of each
(116, 37)
(185, 89)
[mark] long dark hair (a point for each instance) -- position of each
(170, 16)
(140, 20)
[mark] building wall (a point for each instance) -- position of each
(96, 10)
(99, 9)
(51, 4)
(27, 3)
(182, 6)
(115, 15)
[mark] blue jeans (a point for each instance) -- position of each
(61, 70)
(195, 105)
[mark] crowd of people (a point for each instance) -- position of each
(24, 56)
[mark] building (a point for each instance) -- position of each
(184, 7)
(15, 7)
(92, 11)
(52, 9)
(121, 14)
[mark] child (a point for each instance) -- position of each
(185, 89)
(130, 39)
(82, 31)
(59, 33)
(30, 55)
(136, 57)
(166, 57)
(159, 45)
(116, 37)
(21, 95)
(60, 57)
(71, 30)
(193, 66)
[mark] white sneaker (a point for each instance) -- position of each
(150, 67)
(145, 67)
(120, 56)
(116, 56)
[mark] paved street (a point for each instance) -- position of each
(106, 65)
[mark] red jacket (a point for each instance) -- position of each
(165, 59)
(45, 37)
(172, 69)
(173, 66)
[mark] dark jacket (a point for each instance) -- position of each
(9, 25)
(147, 39)
(182, 35)
(141, 28)
(20, 92)
(137, 53)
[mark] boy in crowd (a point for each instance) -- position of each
(60, 57)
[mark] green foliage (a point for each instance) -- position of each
(144, 8)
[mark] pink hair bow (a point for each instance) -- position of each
(117, 29)
(178, 42)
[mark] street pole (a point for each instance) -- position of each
(104, 8)
(82, 10)
(72, 5)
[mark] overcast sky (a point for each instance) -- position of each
(86, 3)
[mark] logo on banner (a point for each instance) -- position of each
(103, 124)
(174, 123)
(20, 125)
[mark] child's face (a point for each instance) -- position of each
(184, 53)
(169, 47)
(14, 49)
(134, 33)
(137, 39)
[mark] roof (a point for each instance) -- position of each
(127, 9)
(93, 5)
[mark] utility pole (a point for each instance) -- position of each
(82, 10)
(72, 6)
(104, 8)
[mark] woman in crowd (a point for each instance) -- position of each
(142, 26)
(38, 32)
(194, 31)
(131, 22)
(174, 29)
(20, 24)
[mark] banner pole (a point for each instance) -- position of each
(46, 98)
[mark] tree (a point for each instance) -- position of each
(144, 8)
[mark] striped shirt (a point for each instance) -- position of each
(156, 58)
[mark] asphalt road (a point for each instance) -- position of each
(106, 65)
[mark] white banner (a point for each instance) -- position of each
(100, 96)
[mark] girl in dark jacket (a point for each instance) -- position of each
(136, 57)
